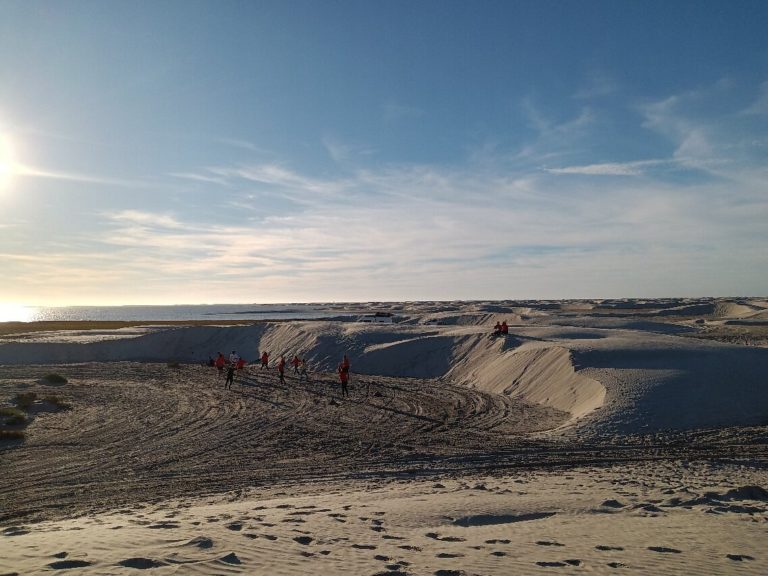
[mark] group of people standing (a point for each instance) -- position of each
(236, 363)
(501, 329)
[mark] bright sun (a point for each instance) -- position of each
(8, 166)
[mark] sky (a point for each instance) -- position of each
(314, 151)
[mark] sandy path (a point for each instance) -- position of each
(146, 431)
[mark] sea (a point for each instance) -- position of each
(182, 312)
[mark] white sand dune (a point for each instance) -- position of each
(458, 452)
(627, 380)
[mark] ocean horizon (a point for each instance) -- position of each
(129, 313)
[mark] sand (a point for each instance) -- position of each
(598, 437)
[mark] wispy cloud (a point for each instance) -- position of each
(30, 171)
(344, 152)
(635, 168)
(198, 177)
(145, 219)
(242, 144)
(395, 111)
(597, 85)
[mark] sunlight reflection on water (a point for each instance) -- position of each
(10, 312)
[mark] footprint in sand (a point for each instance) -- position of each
(200, 542)
(231, 558)
(551, 564)
(141, 563)
(436, 536)
(364, 546)
(382, 558)
(305, 540)
(411, 548)
(617, 565)
(498, 553)
(603, 547)
(235, 526)
(545, 543)
(664, 550)
(68, 564)
(448, 555)
(738, 557)
(450, 573)
(15, 531)
(497, 541)
(61, 555)
(390, 537)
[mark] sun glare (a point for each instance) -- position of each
(12, 312)
(8, 165)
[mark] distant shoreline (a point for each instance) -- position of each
(9, 328)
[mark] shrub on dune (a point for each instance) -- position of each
(12, 416)
(25, 400)
(54, 378)
(57, 401)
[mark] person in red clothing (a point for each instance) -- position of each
(240, 364)
(345, 364)
(264, 359)
(295, 363)
(343, 379)
(504, 328)
(281, 369)
(220, 361)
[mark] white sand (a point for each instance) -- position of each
(637, 519)
(443, 475)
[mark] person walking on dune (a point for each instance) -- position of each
(220, 361)
(295, 363)
(230, 377)
(281, 369)
(264, 360)
(303, 371)
(343, 379)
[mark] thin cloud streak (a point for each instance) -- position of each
(33, 172)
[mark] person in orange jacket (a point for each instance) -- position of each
(220, 361)
(504, 328)
(295, 363)
(343, 379)
(264, 359)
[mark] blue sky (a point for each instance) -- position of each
(279, 151)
